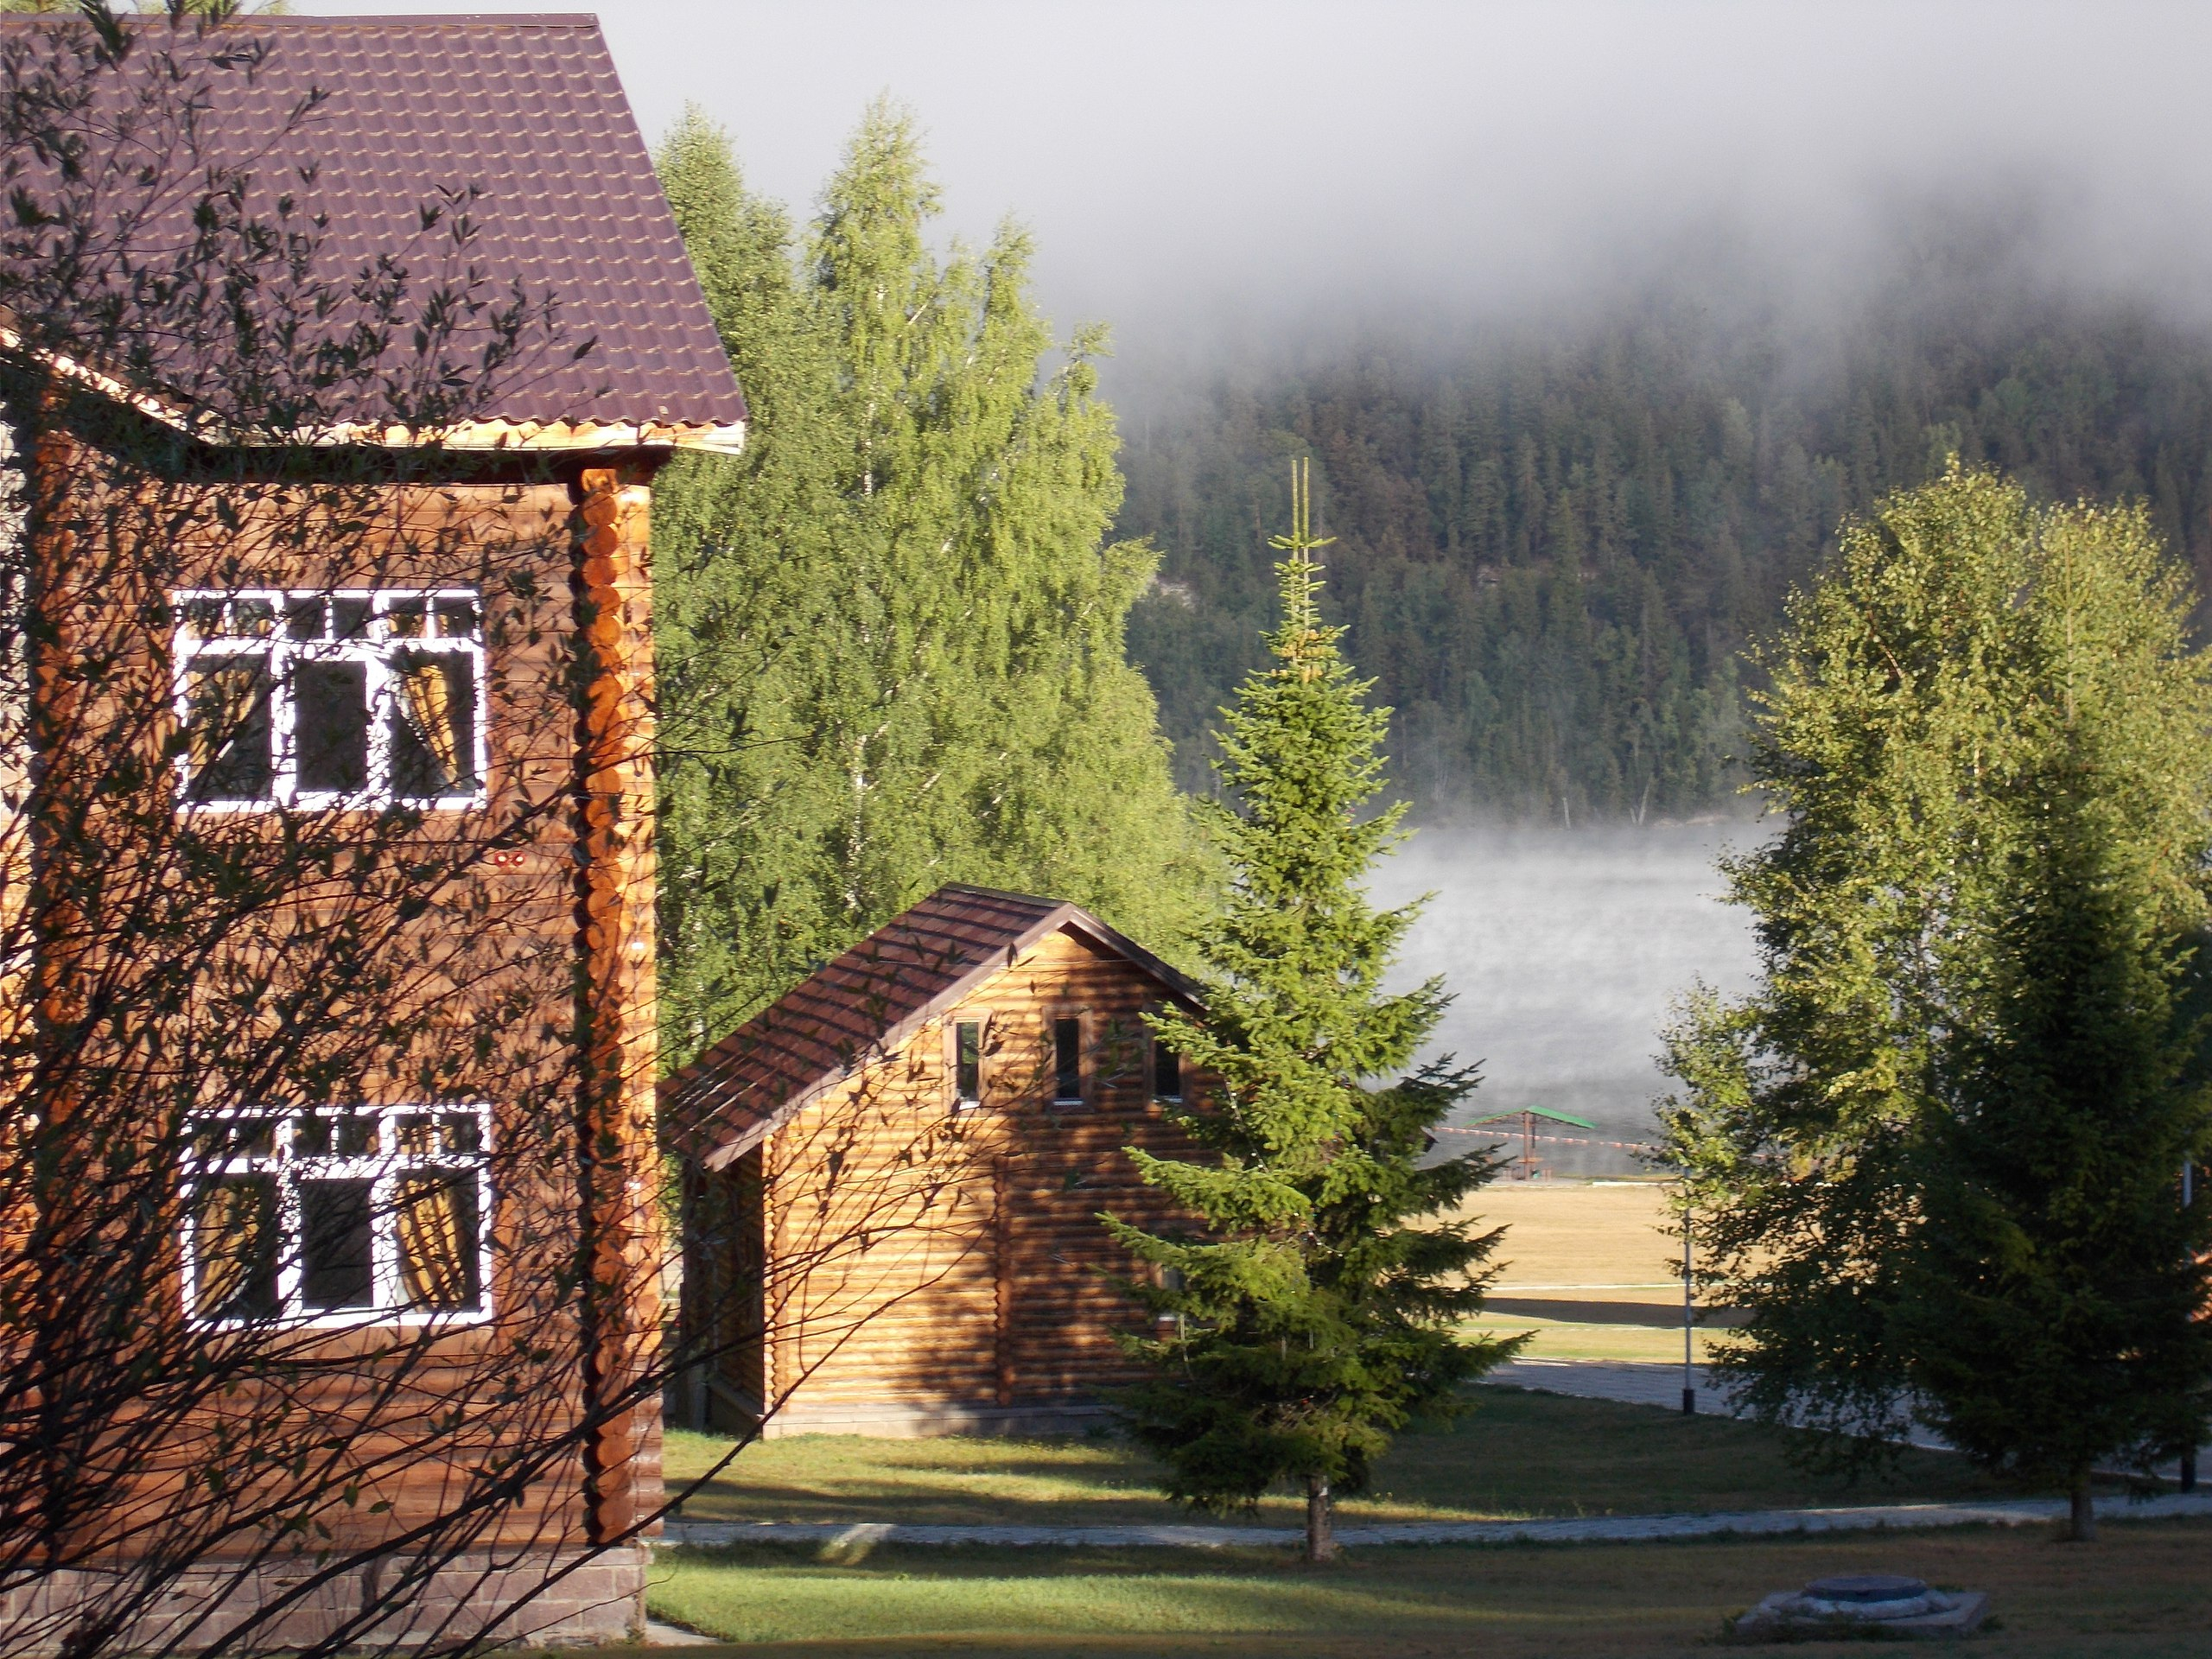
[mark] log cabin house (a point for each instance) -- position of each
(470, 661)
(896, 1175)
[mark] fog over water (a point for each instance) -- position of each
(1565, 950)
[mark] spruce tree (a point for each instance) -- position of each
(890, 634)
(1937, 1152)
(1314, 1314)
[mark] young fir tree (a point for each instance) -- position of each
(1314, 1315)
(891, 634)
(1938, 1151)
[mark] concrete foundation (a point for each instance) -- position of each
(602, 1599)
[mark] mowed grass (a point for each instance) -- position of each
(2141, 1592)
(1600, 1236)
(1515, 1453)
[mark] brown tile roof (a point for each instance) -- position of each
(863, 1006)
(530, 109)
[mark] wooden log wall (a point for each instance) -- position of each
(532, 976)
(925, 1255)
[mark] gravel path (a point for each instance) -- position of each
(1579, 1529)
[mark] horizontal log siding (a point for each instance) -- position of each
(927, 1255)
(495, 965)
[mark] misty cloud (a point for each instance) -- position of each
(1196, 169)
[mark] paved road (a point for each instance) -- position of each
(1640, 1383)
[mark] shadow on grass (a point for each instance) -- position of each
(2141, 1593)
(1517, 1454)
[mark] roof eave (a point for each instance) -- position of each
(712, 437)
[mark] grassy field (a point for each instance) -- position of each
(1575, 1238)
(2140, 1593)
(1573, 1242)
(1515, 1454)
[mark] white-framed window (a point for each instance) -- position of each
(330, 698)
(337, 1214)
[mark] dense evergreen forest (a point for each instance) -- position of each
(1554, 546)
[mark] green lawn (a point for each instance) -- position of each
(2140, 1593)
(1515, 1454)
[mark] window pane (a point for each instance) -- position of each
(251, 618)
(357, 1137)
(967, 1060)
(404, 617)
(1166, 1072)
(349, 618)
(336, 1267)
(437, 1240)
(1067, 1059)
(457, 619)
(235, 1137)
(302, 618)
(227, 703)
(311, 1137)
(432, 724)
(234, 1248)
(330, 715)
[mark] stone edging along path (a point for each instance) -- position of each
(1573, 1529)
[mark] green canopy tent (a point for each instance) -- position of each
(1528, 1115)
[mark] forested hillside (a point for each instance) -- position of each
(1554, 547)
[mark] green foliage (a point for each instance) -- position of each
(890, 634)
(1937, 1150)
(1312, 1317)
(1557, 543)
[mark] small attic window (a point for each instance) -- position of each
(1067, 1062)
(1166, 1072)
(316, 699)
(967, 1062)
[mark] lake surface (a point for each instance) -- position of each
(1565, 951)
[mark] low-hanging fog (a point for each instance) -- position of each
(1564, 951)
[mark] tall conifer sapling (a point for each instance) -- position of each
(1318, 1302)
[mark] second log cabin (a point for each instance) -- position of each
(896, 1175)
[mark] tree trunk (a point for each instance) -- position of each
(2082, 1520)
(1320, 1531)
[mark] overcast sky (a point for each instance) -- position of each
(1184, 165)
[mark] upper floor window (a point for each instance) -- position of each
(348, 697)
(967, 1062)
(1166, 1072)
(336, 1216)
(1067, 1062)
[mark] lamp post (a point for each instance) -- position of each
(2187, 1199)
(1689, 1318)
